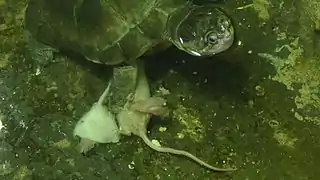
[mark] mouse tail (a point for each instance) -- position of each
(183, 153)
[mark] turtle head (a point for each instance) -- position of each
(201, 31)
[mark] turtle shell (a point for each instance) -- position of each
(104, 31)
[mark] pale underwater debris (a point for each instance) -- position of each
(97, 126)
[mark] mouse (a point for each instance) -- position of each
(136, 113)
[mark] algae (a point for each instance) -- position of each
(192, 124)
(300, 74)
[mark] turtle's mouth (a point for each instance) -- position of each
(204, 31)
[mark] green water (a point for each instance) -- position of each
(255, 107)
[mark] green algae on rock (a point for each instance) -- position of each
(301, 74)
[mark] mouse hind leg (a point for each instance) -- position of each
(153, 105)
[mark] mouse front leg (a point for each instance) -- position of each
(124, 122)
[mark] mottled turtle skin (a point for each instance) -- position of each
(104, 31)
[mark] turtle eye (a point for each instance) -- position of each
(212, 39)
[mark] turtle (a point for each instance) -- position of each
(113, 32)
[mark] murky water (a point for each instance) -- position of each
(255, 107)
